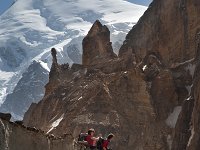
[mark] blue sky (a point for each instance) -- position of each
(4, 4)
(141, 2)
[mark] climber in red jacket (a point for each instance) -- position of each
(91, 139)
(107, 141)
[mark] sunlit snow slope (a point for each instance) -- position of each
(31, 27)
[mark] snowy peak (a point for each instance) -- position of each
(55, 16)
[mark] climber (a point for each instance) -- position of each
(91, 139)
(107, 141)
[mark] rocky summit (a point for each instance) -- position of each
(147, 96)
(97, 46)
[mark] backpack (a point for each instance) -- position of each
(82, 136)
(100, 143)
(82, 140)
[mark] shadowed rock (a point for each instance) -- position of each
(5, 116)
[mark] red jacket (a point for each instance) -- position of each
(89, 140)
(105, 144)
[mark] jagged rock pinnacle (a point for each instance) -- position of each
(54, 53)
(97, 26)
(54, 72)
(97, 47)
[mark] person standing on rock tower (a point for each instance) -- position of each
(91, 139)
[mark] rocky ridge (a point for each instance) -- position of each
(15, 136)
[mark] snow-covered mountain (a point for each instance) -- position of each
(29, 89)
(30, 28)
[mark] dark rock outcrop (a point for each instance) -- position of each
(5, 116)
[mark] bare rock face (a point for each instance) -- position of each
(167, 28)
(97, 46)
(163, 94)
